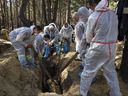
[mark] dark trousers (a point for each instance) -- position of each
(124, 63)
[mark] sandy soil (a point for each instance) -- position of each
(15, 81)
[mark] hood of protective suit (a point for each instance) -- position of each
(66, 27)
(51, 27)
(46, 29)
(52, 24)
(83, 14)
(102, 6)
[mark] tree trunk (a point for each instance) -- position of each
(22, 16)
(44, 12)
(29, 13)
(11, 14)
(68, 12)
(7, 14)
(39, 18)
(17, 21)
(49, 10)
(2, 14)
(34, 11)
(55, 11)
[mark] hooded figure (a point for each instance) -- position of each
(122, 13)
(38, 40)
(101, 33)
(21, 39)
(66, 31)
(53, 31)
(80, 27)
(66, 36)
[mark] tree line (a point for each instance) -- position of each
(16, 13)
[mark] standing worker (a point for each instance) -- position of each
(101, 33)
(80, 27)
(66, 36)
(122, 13)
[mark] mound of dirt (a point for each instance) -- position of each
(4, 45)
(16, 81)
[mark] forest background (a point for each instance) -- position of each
(16, 13)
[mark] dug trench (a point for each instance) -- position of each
(54, 71)
(50, 79)
(15, 81)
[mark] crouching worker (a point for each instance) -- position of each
(47, 49)
(53, 32)
(21, 40)
(45, 46)
(37, 42)
(66, 37)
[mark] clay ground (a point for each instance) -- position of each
(100, 88)
(17, 82)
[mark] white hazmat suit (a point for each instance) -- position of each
(80, 27)
(38, 41)
(53, 32)
(102, 30)
(20, 38)
(66, 32)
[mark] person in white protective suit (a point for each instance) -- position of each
(53, 31)
(90, 11)
(66, 31)
(101, 33)
(21, 40)
(41, 42)
(38, 39)
(66, 35)
(80, 27)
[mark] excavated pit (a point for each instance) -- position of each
(16, 81)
